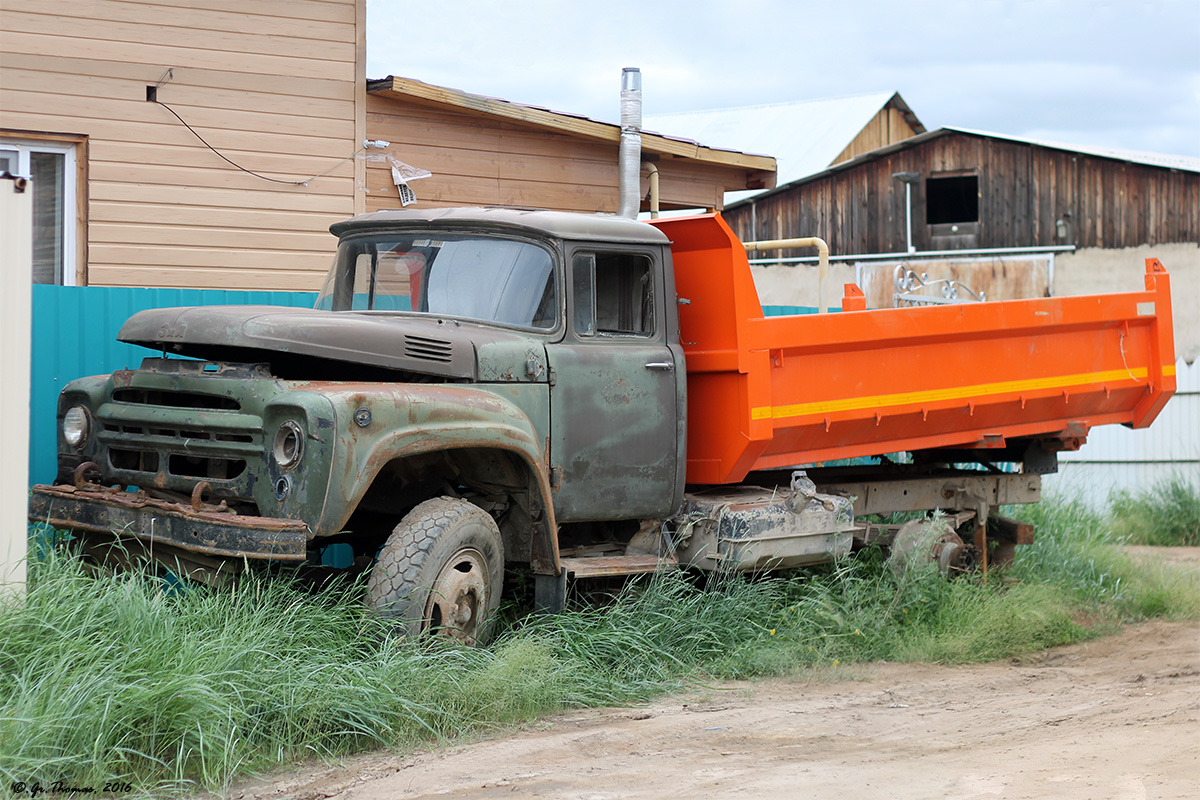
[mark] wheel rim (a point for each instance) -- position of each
(927, 541)
(459, 597)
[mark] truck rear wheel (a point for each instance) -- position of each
(441, 571)
(927, 541)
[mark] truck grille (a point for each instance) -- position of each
(170, 439)
(170, 399)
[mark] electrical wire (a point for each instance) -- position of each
(1132, 377)
(250, 171)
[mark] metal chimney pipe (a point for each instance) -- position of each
(629, 164)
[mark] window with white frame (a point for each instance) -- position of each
(50, 167)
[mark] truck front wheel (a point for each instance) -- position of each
(441, 571)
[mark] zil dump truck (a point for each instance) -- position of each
(482, 390)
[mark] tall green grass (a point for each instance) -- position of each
(1077, 551)
(115, 678)
(1164, 514)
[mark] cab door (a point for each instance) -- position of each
(616, 402)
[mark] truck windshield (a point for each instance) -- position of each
(484, 278)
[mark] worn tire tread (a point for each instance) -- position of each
(396, 577)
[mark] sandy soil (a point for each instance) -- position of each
(1113, 718)
(1185, 557)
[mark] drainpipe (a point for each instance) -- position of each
(807, 241)
(908, 179)
(630, 158)
(908, 214)
(653, 170)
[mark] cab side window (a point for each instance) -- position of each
(613, 294)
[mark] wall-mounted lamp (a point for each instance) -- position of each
(1062, 227)
(908, 179)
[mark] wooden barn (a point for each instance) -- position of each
(972, 190)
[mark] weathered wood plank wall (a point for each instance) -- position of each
(1023, 191)
(887, 127)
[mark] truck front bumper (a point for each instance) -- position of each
(198, 528)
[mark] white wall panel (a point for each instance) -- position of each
(16, 261)
(1116, 457)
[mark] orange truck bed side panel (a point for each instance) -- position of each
(770, 392)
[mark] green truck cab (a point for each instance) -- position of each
(476, 388)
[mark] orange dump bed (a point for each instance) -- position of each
(770, 392)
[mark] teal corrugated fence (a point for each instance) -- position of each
(75, 334)
(791, 311)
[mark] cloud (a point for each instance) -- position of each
(1117, 74)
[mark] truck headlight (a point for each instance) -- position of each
(289, 444)
(76, 426)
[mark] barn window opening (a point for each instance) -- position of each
(953, 199)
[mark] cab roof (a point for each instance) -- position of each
(559, 224)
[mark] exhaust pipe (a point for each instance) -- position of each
(629, 164)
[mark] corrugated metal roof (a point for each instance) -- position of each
(804, 136)
(1186, 163)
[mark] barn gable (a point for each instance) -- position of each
(805, 137)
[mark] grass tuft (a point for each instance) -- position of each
(1166, 514)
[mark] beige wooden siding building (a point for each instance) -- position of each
(277, 86)
(485, 151)
(127, 194)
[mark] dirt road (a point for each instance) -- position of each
(1113, 718)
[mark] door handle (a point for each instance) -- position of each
(662, 365)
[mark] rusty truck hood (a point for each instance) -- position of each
(445, 348)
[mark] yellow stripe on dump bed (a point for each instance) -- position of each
(954, 393)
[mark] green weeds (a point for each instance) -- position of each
(1077, 551)
(1165, 514)
(116, 679)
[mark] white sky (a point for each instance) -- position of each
(1087, 72)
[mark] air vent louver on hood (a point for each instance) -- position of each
(427, 349)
